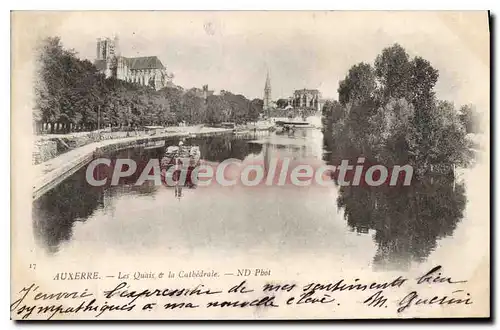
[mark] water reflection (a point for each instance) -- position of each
(74, 200)
(398, 226)
(408, 221)
(54, 213)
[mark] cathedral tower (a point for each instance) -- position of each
(106, 53)
(144, 70)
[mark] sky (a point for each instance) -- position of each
(314, 50)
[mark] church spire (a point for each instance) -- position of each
(267, 93)
(268, 82)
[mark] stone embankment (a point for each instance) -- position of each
(50, 173)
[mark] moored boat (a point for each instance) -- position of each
(180, 157)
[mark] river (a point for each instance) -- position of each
(375, 229)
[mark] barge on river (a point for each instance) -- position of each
(291, 126)
(179, 157)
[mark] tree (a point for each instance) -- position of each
(391, 115)
(338, 112)
(49, 87)
(423, 78)
(193, 108)
(238, 105)
(448, 143)
(392, 132)
(71, 94)
(358, 86)
(216, 109)
(393, 71)
(332, 113)
(256, 108)
(281, 103)
(470, 118)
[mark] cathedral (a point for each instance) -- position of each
(145, 70)
(306, 98)
(302, 99)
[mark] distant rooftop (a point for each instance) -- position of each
(306, 90)
(135, 63)
(145, 62)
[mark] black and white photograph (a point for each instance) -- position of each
(250, 165)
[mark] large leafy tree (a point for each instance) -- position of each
(390, 113)
(256, 108)
(216, 109)
(422, 79)
(359, 85)
(194, 111)
(393, 71)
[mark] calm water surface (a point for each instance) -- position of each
(381, 228)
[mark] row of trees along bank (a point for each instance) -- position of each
(71, 95)
(389, 113)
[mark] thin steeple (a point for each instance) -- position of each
(267, 93)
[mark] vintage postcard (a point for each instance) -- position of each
(261, 165)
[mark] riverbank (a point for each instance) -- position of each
(50, 173)
(48, 146)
